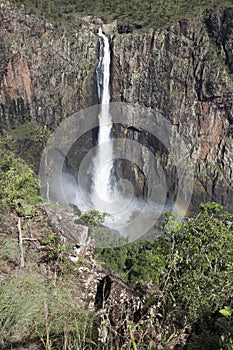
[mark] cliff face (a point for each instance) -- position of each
(47, 73)
(184, 73)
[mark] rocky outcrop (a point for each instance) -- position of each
(66, 222)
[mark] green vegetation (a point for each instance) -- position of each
(30, 131)
(37, 305)
(93, 217)
(9, 250)
(191, 264)
(103, 236)
(188, 269)
(135, 13)
(55, 249)
(19, 186)
(33, 308)
(225, 323)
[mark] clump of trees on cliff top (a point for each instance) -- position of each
(134, 12)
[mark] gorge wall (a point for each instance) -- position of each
(185, 72)
(47, 69)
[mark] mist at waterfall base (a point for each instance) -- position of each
(130, 216)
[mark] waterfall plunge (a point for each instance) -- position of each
(103, 179)
(130, 216)
(105, 195)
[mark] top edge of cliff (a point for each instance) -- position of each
(126, 17)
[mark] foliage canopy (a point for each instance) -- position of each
(190, 262)
(137, 13)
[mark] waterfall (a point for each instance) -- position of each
(103, 161)
(99, 188)
(130, 216)
(96, 186)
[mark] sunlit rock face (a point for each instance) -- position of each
(184, 72)
(47, 72)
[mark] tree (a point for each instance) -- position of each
(191, 266)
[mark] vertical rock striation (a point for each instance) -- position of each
(184, 72)
(47, 70)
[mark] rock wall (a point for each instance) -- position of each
(185, 73)
(47, 69)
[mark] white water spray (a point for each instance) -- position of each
(103, 162)
(105, 195)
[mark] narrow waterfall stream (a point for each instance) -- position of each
(102, 189)
(105, 195)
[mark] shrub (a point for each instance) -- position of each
(18, 184)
